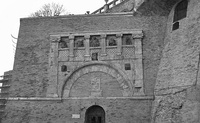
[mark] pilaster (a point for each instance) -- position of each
(103, 45)
(53, 64)
(119, 43)
(139, 85)
(71, 47)
(87, 47)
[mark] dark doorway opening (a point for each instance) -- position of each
(95, 114)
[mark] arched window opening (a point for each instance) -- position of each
(180, 11)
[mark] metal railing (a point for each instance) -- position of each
(5, 85)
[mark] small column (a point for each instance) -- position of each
(53, 64)
(139, 85)
(106, 7)
(103, 45)
(114, 3)
(119, 44)
(71, 47)
(87, 47)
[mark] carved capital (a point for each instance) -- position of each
(54, 38)
(103, 36)
(87, 37)
(139, 35)
(119, 35)
(71, 37)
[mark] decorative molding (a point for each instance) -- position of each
(87, 37)
(103, 67)
(99, 32)
(103, 36)
(75, 98)
(119, 35)
(137, 35)
(54, 39)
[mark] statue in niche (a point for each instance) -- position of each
(79, 41)
(111, 40)
(127, 39)
(64, 42)
(95, 82)
(94, 41)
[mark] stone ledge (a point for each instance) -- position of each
(31, 99)
(138, 32)
(80, 15)
(72, 98)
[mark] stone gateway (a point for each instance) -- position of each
(131, 61)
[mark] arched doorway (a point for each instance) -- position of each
(95, 114)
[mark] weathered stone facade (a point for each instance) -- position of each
(177, 89)
(134, 67)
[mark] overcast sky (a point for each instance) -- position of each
(13, 10)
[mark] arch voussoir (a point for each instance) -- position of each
(124, 84)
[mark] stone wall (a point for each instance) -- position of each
(30, 76)
(170, 60)
(31, 70)
(177, 88)
(117, 111)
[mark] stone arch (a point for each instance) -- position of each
(101, 67)
(180, 10)
(95, 113)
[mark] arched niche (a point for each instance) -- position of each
(119, 75)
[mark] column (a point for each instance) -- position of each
(139, 85)
(53, 64)
(106, 7)
(103, 45)
(119, 44)
(71, 47)
(87, 47)
(114, 3)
